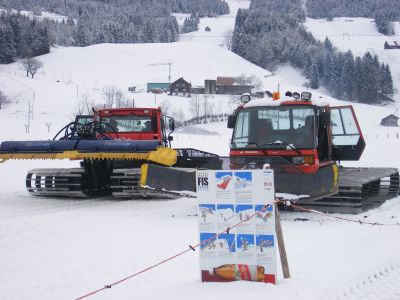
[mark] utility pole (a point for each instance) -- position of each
(33, 102)
(169, 72)
(30, 113)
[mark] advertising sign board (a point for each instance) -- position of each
(246, 251)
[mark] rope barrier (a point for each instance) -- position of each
(193, 248)
(190, 248)
(289, 204)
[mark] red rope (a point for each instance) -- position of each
(289, 204)
(191, 248)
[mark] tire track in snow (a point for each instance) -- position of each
(19, 211)
(382, 283)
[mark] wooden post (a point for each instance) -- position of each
(281, 243)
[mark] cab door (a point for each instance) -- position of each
(347, 140)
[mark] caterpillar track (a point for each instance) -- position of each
(125, 184)
(360, 189)
(56, 182)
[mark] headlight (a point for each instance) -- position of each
(301, 160)
(298, 160)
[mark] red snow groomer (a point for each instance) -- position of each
(302, 141)
(112, 145)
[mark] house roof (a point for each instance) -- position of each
(226, 80)
(181, 80)
(391, 116)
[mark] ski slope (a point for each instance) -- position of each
(359, 35)
(62, 249)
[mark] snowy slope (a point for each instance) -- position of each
(44, 15)
(62, 249)
(359, 35)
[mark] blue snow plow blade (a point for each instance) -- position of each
(80, 145)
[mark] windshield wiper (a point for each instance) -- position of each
(280, 143)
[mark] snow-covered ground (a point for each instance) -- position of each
(219, 27)
(62, 249)
(40, 17)
(359, 35)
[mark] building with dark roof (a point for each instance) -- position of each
(180, 87)
(388, 46)
(390, 120)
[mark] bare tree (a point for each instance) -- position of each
(109, 93)
(84, 105)
(165, 105)
(256, 82)
(3, 99)
(178, 116)
(253, 80)
(243, 79)
(31, 66)
(228, 39)
(120, 99)
(195, 106)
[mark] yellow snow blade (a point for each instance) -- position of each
(164, 156)
(143, 174)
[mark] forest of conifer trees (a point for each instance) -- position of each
(270, 33)
(92, 22)
(382, 11)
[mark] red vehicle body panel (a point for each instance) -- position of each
(154, 113)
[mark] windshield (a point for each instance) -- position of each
(278, 127)
(129, 123)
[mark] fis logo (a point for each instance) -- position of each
(202, 181)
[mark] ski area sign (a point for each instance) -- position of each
(246, 251)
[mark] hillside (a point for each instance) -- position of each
(64, 248)
(359, 35)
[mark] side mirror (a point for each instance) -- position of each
(325, 118)
(245, 98)
(170, 138)
(171, 124)
(231, 121)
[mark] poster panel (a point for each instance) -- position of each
(247, 251)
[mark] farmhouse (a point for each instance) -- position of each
(232, 86)
(388, 46)
(390, 120)
(180, 87)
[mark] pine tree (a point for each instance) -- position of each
(191, 24)
(328, 45)
(308, 67)
(336, 77)
(369, 80)
(347, 75)
(381, 79)
(328, 65)
(7, 45)
(149, 33)
(17, 32)
(357, 80)
(81, 38)
(387, 88)
(314, 78)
